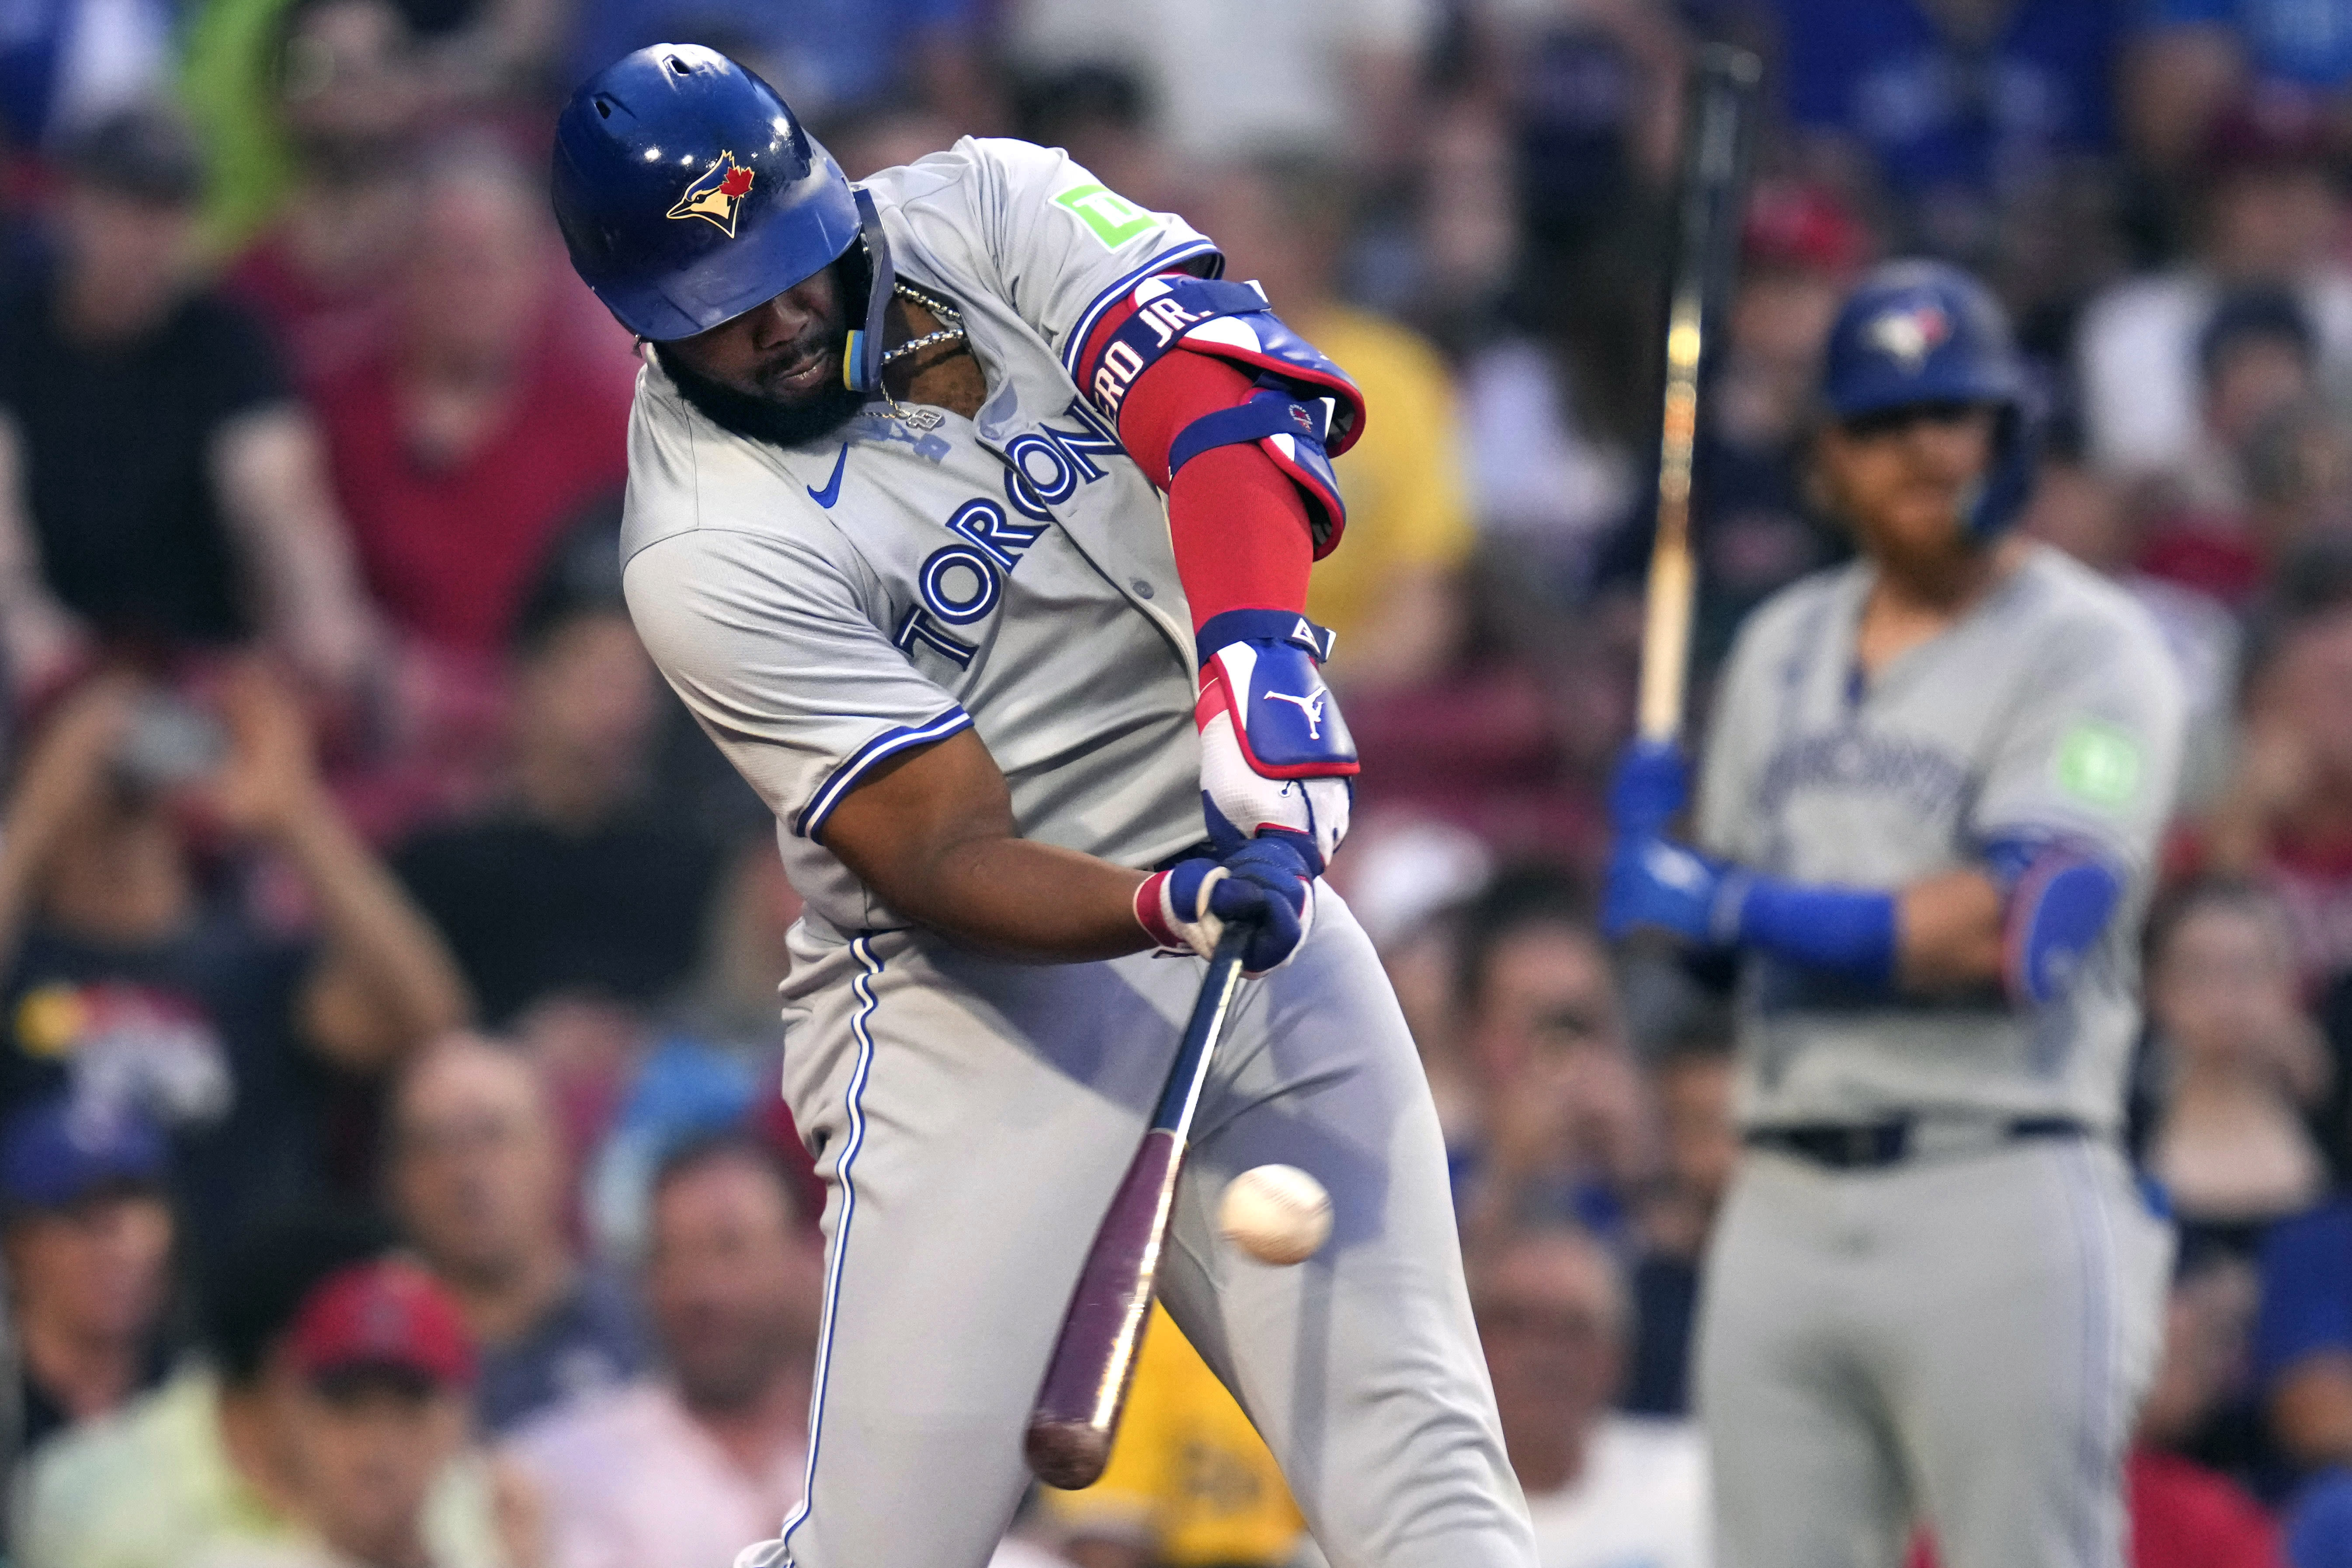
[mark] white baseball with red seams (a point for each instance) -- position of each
(1276, 1214)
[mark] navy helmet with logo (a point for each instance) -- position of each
(1915, 332)
(688, 193)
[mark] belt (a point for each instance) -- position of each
(1869, 1145)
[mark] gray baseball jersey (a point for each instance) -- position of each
(2050, 709)
(1850, 1318)
(823, 608)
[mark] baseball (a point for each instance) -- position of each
(1276, 1214)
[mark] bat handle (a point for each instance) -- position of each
(1665, 641)
(1077, 1414)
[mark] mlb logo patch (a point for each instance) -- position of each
(716, 194)
(1908, 336)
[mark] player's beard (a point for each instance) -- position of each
(765, 419)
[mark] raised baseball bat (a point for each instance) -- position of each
(1713, 172)
(1079, 1404)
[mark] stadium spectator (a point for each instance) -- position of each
(2190, 59)
(131, 979)
(88, 1243)
(348, 87)
(1392, 594)
(485, 421)
(1953, 110)
(2285, 817)
(245, 1457)
(1799, 249)
(1604, 1488)
(1190, 1483)
(830, 62)
(374, 1402)
(1321, 77)
(578, 881)
(2243, 1060)
(2256, 355)
(681, 1470)
(476, 1178)
(69, 64)
(158, 484)
(2183, 1514)
(2303, 1339)
(1563, 1123)
(1699, 1145)
(2269, 212)
(2319, 1529)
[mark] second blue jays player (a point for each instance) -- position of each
(970, 513)
(1932, 795)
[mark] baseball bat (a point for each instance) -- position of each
(1079, 1404)
(1714, 171)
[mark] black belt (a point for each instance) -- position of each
(1861, 1146)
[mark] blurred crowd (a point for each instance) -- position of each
(391, 1172)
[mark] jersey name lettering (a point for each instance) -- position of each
(962, 583)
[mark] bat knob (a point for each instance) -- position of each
(1066, 1454)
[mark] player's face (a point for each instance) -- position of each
(787, 352)
(1902, 477)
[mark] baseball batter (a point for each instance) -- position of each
(970, 513)
(1932, 795)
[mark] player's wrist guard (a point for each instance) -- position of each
(1276, 756)
(2058, 896)
(1185, 908)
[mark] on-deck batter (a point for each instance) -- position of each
(1932, 797)
(938, 614)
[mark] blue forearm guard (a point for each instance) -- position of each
(1841, 931)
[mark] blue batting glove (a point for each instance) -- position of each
(1655, 882)
(1649, 786)
(1266, 882)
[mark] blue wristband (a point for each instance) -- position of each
(1848, 932)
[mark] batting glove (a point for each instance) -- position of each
(1276, 759)
(1265, 882)
(1655, 882)
(1650, 786)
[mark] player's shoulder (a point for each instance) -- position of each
(1798, 611)
(2068, 612)
(975, 169)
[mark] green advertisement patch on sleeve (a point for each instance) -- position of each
(1114, 218)
(2099, 763)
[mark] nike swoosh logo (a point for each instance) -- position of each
(832, 491)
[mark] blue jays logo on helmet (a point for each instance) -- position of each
(1908, 333)
(1915, 332)
(687, 192)
(715, 196)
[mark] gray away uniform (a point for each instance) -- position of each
(825, 608)
(1964, 1333)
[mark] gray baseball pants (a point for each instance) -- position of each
(1962, 1340)
(972, 1118)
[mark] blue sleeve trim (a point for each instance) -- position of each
(1846, 931)
(861, 1027)
(810, 822)
(1075, 344)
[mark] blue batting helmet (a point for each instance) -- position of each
(687, 193)
(1915, 332)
